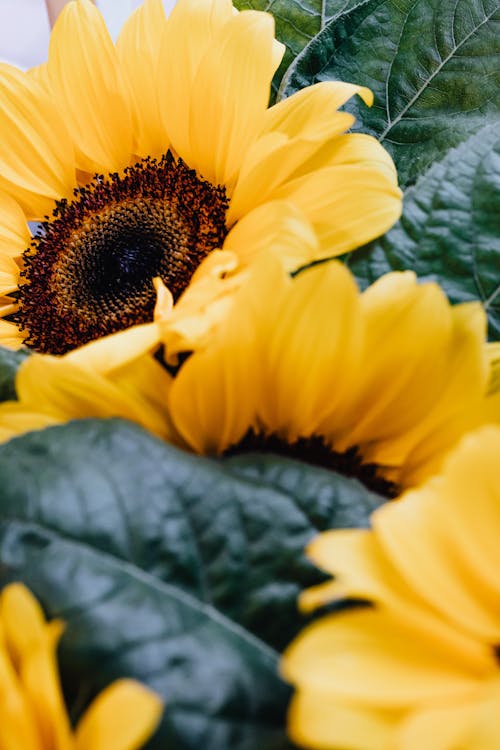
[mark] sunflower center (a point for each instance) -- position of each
(314, 450)
(90, 269)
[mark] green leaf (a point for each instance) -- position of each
(177, 570)
(450, 229)
(432, 65)
(9, 364)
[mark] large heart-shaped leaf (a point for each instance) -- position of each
(177, 570)
(450, 228)
(432, 65)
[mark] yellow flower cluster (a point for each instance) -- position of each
(183, 277)
(32, 711)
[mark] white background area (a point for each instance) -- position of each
(24, 27)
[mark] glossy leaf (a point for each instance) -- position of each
(450, 229)
(432, 65)
(177, 570)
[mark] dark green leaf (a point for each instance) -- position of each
(450, 229)
(432, 65)
(177, 570)
(9, 363)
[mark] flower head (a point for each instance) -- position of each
(378, 384)
(32, 711)
(419, 669)
(144, 158)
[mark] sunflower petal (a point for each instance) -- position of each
(90, 92)
(321, 720)
(122, 717)
(366, 199)
(277, 227)
(10, 336)
(189, 33)
(36, 160)
(229, 95)
(138, 48)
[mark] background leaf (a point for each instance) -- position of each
(432, 65)
(178, 570)
(9, 364)
(450, 229)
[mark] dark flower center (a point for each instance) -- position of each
(314, 450)
(90, 268)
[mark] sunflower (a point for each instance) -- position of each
(32, 711)
(143, 158)
(419, 669)
(378, 385)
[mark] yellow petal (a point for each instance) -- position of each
(9, 275)
(304, 122)
(36, 161)
(190, 32)
(458, 549)
(202, 306)
(276, 227)
(110, 352)
(461, 404)
(23, 620)
(308, 366)
(273, 160)
(15, 236)
(229, 94)
(89, 90)
(122, 717)
(322, 720)
(312, 109)
(64, 390)
(40, 677)
(18, 725)
(348, 204)
(213, 399)
(10, 336)
(442, 727)
(138, 48)
(363, 655)
(16, 419)
(363, 570)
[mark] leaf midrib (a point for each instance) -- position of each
(399, 117)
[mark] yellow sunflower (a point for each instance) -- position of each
(33, 715)
(145, 157)
(378, 385)
(420, 669)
